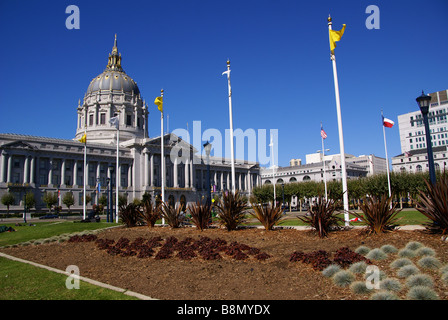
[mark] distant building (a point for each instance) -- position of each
(295, 162)
(413, 139)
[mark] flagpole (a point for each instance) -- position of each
(273, 169)
(117, 170)
(341, 136)
(162, 156)
(323, 163)
(387, 159)
(85, 170)
(231, 127)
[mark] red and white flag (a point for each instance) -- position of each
(323, 133)
(388, 123)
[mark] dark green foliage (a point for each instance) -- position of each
(201, 215)
(378, 214)
(150, 214)
(130, 215)
(269, 216)
(434, 204)
(173, 216)
(231, 210)
(322, 216)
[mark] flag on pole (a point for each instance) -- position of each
(323, 134)
(335, 36)
(159, 103)
(114, 121)
(83, 139)
(388, 123)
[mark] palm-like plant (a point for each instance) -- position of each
(378, 214)
(149, 213)
(231, 210)
(201, 214)
(269, 216)
(322, 216)
(130, 214)
(174, 216)
(434, 204)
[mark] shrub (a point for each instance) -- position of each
(345, 257)
(422, 293)
(444, 269)
(413, 245)
(444, 277)
(362, 250)
(406, 253)
(401, 263)
(384, 295)
(407, 271)
(343, 278)
(390, 284)
(149, 213)
(323, 216)
(376, 254)
(331, 270)
(269, 216)
(429, 263)
(358, 267)
(201, 214)
(377, 214)
(231, 210)
(387, 248)
(434, 204)
(130, 215)
(359, 287)
(425, 251)
(420, 280)
(174, 216)
(318, 259)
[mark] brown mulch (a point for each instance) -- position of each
(273, 279)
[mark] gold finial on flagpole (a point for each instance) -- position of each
(329, 19)
(161, 92)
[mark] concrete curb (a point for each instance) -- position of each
(91, 281)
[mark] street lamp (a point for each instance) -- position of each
(423, 102)
(108, 199)
(111, 188)
(207, 148)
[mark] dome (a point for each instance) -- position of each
(113, 78)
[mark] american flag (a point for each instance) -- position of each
(322, 133)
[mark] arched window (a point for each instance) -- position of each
(418, 168)
(306, 178)
(293, 179)
(280, 181)
(267, 182)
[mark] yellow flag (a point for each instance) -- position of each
(335, 36)
(83, 139)
(159, 103)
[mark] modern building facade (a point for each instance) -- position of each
(40, 164)
(413, 139)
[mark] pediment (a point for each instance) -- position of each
(18, 144)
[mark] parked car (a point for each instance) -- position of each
(49, 216)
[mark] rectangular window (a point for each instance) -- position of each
(102, 118)
(128, 120)
(91, 120)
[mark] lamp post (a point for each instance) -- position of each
(423, 102)
(111, 188)
(108, 199)
(283, 194)
(207, 148)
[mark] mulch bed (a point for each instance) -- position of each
(204, 275)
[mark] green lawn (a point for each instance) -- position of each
(21, 281)
(43, 230)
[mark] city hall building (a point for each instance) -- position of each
(40, 164)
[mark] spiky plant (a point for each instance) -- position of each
(413, 245)
(343, 278)
(359, 287)
(362, 250)
(384, 295)
(173, 215)
(390, 284)
(407, 271)
(201, 214)
(322, 216)
(429, 263)
(150, 213)
(231, 210)
(130, 214)
(269, 216)
(388, 248)
(331, 270)
(425, 251)
(376, 254)
(434, 204)
(406, 253)
(378, 215)
(358, 267)
(401, 263)
(422, 293)
(420, 280)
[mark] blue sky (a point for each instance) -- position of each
(282, 76)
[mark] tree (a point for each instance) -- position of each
(8, 199)
(30, 202)
(68, 199)
(50, 199)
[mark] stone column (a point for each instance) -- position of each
(146, 169)
(32, 172)
(9, 169)
(75, 173)
(187, 173)
(63, 173)
(2, 166)
(192, 179)
(176, 183)
(26, 170)
(151, 165)
(50, 172)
